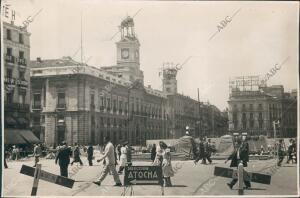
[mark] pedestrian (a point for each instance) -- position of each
(209, 150)
(109, 157)
(290, 151)
(201, 152)
(63, 156)
(166, 164)
(262, 150)
(280, 152)
(90, 153)
(37, 151)
(129, 154)
(123, 158)
(5, 156)
(294, 154)
(153, 152)
(76, 155)
(119, 151)
(239, 155)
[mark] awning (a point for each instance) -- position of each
(19, 136)
(10, 121)
(22, 121)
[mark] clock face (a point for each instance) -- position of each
(125, 53)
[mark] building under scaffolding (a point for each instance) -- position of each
(254, 107)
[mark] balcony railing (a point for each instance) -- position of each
(9, 58)
(36, 107)
(13, 81)
(17, 107)
(22, 61)
(61, 106)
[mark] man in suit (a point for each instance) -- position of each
(90, 153)
(239, 155)
(201, 152)
(63, 156)
(76, 155)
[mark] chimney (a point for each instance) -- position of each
(39, 59)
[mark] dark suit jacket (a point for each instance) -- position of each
(244, 156)
(63, 156)
(90, 151)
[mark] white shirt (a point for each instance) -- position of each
(109, 154)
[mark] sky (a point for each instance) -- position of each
(258, 36)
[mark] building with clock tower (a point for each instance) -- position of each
(128, 55)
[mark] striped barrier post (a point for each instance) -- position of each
(36, 179)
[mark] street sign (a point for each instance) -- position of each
(248, 176)
(49, 177)
(143, 175)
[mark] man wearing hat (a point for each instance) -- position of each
(239, 155)
(63, 156)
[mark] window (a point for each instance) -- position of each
(22, 75)
(260, 121)
(244, 120)
(244, 107)
(120, 105)
(260, 106)
(8, 34)
(10, 97)
(251, 120)
(92, 100)
(22, 98)
(21, 39)
(61, 101)
(108, 103)
(21, 54)
(36, 100)
(9, 51)
(9, 73)
(251, 106)
(168, 89)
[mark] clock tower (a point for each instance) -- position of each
(128, 52)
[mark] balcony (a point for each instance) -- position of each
(17, 107)
(22, 83)
(61, 106)
(22, 62)
(92, 106)
(9, 58)
(101, 108)
(36, 107)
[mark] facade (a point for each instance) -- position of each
(17, 85)
(80, 103)
(254, 111)
(203, 119)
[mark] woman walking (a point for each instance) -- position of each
(123, 158)
(166, 164)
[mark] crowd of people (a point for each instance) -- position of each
(160, 156)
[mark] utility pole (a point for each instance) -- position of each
(199, 109)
